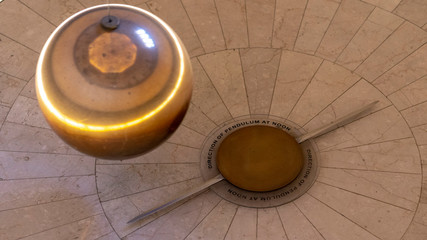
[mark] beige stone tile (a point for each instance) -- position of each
(330, 224)
(178, 223)
(165, 153)
(349, 17)
(145, 201)
(287, 21)
(260, 14)
(405, 40)
(120, 180)
(361, 94)
(381, 126)
(17, 60)
(244, 224)
(269, 226)
(416, 231)
(295, 72)
(409, 70)
(413, 10)
(136, 2)
(118, 212)
(9, 89)
(379, 25)
(260, 67)
(398, 189)
(21, 138)
(3, 113)
(88, 228)
(423, 198)
(232, 15)
(28, 192)
(206, 97)
(29, 89)
(121, 210)
(381, 219)
(225, 71)
(23, 25)
(187, 137)
(22, 222)
(317, 18)
(296, 225)
(220, 217)
(173, 12)
(142, 5)
(110, 236)
(204, 18)
(26, 111)
(54, 11)
(420, 134)
(196, 120)
(90, 3)
(416, 115)
(418, 228)
(423, 153)
(328, 84)
(17, 165)
(393, 156)
(388, 5)
(413, 94)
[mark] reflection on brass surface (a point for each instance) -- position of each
(259, 158)
(112, 52)
(114, 93)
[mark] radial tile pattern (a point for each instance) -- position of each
(308, 61)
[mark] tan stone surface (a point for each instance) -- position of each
(349, 17)
(330, 224)
(244, 224)
(260, 17)
(317, 17)
(269, 225)
(174, 14)
(374, 31)
(287, 20)
(23, 25)
(403, 42)
(413, 10)
(296, 223)
(296, 70)
(16, 59)
(225, 72)
(260, 69)
(232, 15)
(204, 18)
(309, 62)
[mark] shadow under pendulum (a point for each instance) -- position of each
(266, 162)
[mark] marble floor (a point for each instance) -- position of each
(307, 61)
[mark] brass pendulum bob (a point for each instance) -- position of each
(114, 86)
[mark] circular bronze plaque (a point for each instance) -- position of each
(260, 147)
(260, 158)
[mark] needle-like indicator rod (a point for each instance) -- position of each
(335, 124)
(183, 196)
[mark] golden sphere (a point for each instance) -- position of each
(114, 92)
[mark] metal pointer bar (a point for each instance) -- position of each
(183, 196)
(335, 124)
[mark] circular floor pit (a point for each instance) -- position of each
(262, 163)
